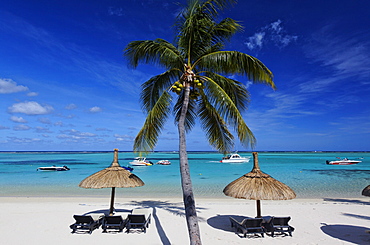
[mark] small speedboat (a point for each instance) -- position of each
(53, 168)
(128, 168)
(141, 161)
(234, 158)
(344, 161)
(164, 162)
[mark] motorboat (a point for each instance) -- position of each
(53, 168)
(164, 162)
(128, 168)
(234, 158)
(344, 161)
(141, 161)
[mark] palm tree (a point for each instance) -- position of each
(197, 71)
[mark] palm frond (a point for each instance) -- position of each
(233, 62)
(227, 109)
(146, 139)
(197, 27)
(214, 6)
(224, 30)
(215, 127)
(158, 52)
(154, 87)
(236, 90)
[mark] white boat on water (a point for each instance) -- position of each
(234, 158)
(343, 161)
(141, 161)
(53, 168)
(164, 162)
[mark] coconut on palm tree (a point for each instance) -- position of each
(196, 84)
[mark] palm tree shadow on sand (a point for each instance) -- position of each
(346, 201)
(348, 233)
(173, 208)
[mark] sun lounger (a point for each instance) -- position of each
(115, 222)
(279, 224)
(86, 222)
(248, 226)
(138, 219)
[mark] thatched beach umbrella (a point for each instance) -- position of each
(257, 185)
(366, 191)
(112, 177)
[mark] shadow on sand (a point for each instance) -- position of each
(357, 216)
(343, 200)
(174, 208)
(348, 233)
(106, 211)
(222, 222)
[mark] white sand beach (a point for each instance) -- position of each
(46, 220)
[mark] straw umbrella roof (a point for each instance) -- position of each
(112, 177)
(366, 191)
(257, 185)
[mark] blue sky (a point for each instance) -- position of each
(64, 84)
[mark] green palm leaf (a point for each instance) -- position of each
(198, 70)
(233, 62)
(215, 127)
(237, 91)
(158, 52)
(155, 86)
(228, 110)
(148, 135)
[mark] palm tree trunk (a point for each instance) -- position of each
(187, 188)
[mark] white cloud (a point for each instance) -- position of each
(115, 11)
(255, 41)
(42, 130)
(22, 127)
(120, 137)
(18, 119)
(32, 94)
(44, 120)
(59, 123)
(30, 108)
(71, 107)
(75, 134)
(8, 86)
(103, 129)
(62, 124)
(24, 140)
(95, 109)
(3, 127)
(271, 33)
(276, 26)
(345, 55)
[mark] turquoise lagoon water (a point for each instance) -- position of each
(305, 172)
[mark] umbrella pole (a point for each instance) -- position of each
(112, 201)
(258, 209)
